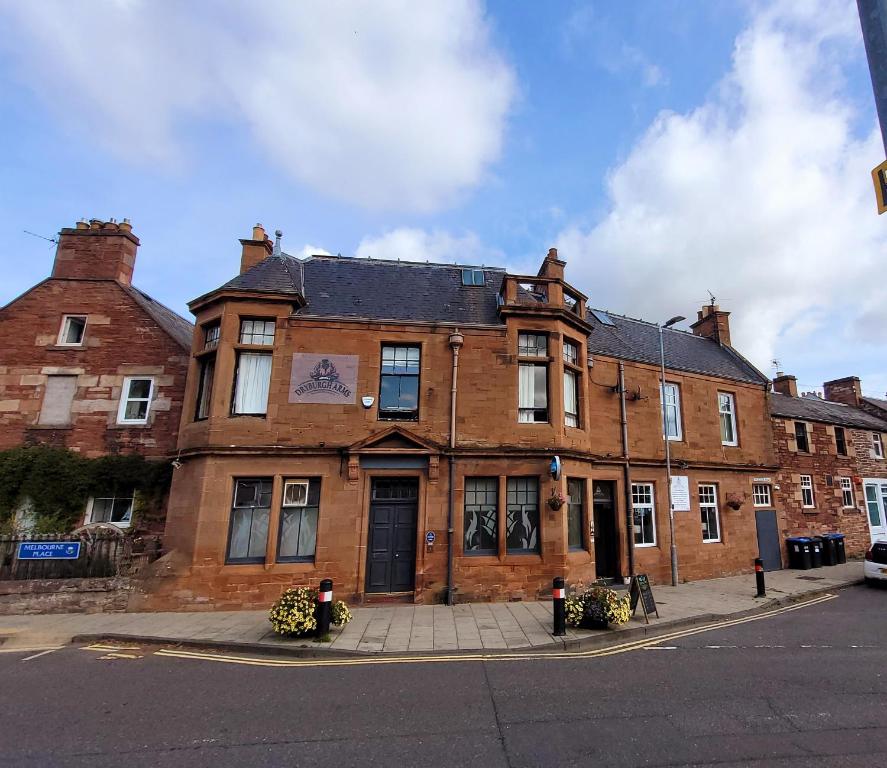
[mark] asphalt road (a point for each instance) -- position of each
(803, 688)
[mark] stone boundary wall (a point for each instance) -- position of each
(108, 595)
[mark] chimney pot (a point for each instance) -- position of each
(713, 323)
(785, 385)
(96, 251)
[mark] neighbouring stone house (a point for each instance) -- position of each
(90, 363)
(419, 430)
(833, 471)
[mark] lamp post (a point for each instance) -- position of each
(674, 549)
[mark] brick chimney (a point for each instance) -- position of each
(785, 384)
(847, 390)
(713, 324)
(552, 266)
(256, 250)
(100, 250)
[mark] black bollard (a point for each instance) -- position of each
(559, 599)
(324, 607)
(759, 577)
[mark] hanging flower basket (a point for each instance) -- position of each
(735, 500)
(556, 501)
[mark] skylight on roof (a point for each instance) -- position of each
(602, 317)
(472, 277)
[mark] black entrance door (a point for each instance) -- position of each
(391, 555)
(606, 532)
(769, 545)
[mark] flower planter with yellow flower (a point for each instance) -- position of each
(295, 613)
(597, 608)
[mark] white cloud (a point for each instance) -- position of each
(310, 250)
(390, 104)
(762, 195)
(409, 244)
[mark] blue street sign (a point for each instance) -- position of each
(49, 550)
(430, 537)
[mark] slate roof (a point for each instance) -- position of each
(876, 402)
(175, 325)
(380, 289)
(377, 289)
(817, 409)
(638, 340)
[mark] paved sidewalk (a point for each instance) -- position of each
(418, 628)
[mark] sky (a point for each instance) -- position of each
(670, 150)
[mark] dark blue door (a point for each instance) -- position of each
(769, 546)
(391, 555)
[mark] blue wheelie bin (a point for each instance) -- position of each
(798, 552)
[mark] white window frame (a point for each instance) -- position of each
(877, 446)
(292, 484)
(807, 485)
(90, 505)
(649, 487)
(257, 327)
(709, 504)
(676, 405)
(756, 496)
(571, 382)
(63, 331)
(847, 488)
(125, 399)
(570, 352)
(731, 399)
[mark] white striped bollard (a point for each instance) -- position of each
(559, 600)
(324, 607)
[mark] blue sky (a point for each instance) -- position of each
(668, 149)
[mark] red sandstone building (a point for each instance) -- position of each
(833, 475)
(393, 426)
(91, 363)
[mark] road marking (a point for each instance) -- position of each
(42, 653)
(661, 648)
(99, 647)
(529, 655)
(31, 648)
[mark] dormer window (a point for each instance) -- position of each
(472, 277)
(72, 331)
(259, 332)
(532, 378)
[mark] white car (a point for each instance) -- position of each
(875, 564)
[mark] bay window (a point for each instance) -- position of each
(252, 382)
(532, 378)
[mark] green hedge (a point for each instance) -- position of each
(59, 482)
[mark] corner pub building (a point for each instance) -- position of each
(391, 425)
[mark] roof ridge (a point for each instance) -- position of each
(400, 262)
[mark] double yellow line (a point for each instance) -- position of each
(488, 656)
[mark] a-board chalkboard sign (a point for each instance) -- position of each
(641, 592)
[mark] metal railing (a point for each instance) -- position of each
(102, 555)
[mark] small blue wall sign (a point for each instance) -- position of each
(49, 550)
(430, 537)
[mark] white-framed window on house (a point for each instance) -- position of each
(727, 413)
(877, 446)
(72, 331)
(113, 508)
(644, 513)
(708, 509)
(671, 402)
(571, 399)
(257, 332)
(571, 353)
(762, 495)
(299, 511)
(532, 378)
(248, 527)
(807, 498)
(251, 383)
(135, 400)
(847, 499)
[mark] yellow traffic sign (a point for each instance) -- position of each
(879, 177)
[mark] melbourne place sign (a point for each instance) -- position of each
(330, 379)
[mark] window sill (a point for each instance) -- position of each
(248, 415)
(645, 546)
(249, 561)
(64, 347)
(712, 541)
(129, 424)
(398, 418)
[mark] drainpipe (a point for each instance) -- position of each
(456, 342)
(626, 473)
